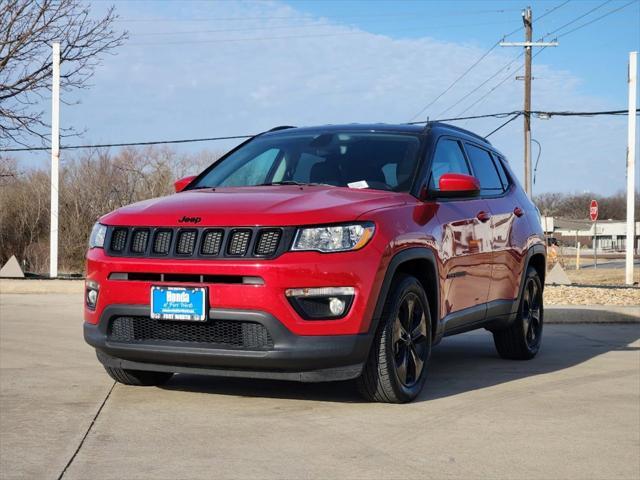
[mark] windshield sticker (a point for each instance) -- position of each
(360, 184)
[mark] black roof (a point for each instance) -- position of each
(380, 127)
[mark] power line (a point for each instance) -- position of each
(503, 125)
(129, 144)
(499, 84)
(484, 55)
(309, 17)
(547, 114)
(577, 18)
(537, 53)
(548, 12)
(313, 35)
(597, 18)
(304, 26)
(464, 74)
(475, 89)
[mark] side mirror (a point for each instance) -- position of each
(453, 185)
(181, 184)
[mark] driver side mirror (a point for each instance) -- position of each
(454, 185)
(181, 184)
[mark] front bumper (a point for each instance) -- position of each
(291, 357)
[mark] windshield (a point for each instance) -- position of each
(383, 161)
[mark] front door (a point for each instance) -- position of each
(465, 243)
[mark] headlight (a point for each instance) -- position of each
(96, 239)
(334, 238)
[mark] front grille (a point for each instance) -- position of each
(186, 242)
(118, 239)
(212, 242)
(268, 242)
(198, 243)
(139, 241)
(162, 242)
(239, 242)
(220, 333)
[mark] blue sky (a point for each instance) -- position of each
(215, 68)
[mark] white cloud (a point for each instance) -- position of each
(343, 74)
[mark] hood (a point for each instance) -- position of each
(251, 206)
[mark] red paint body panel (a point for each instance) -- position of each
(478, 260)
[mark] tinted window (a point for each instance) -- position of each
(448, 158)
(385, 161)
(305, 164)
(254, 171)
(484, 170)
(503, 175)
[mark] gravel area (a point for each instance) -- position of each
(568, 295)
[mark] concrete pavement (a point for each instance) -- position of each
(573, 412)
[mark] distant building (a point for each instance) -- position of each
(611, 234)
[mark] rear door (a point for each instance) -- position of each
(465, 242)
(497, 189)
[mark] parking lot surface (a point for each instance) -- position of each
(573, 412)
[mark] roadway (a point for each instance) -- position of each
(573, 412)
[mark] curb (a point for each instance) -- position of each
(567, 314)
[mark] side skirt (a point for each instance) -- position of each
(492, 316)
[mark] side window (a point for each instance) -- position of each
(253, 172)
(503, 175)
(484, 170)
(448, 158)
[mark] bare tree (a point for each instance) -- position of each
(27, 30)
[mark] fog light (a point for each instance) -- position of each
(91, 296)
(336, 305)
(321, 303)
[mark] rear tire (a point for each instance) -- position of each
(522, 339)
(138, 378)
(396, 369)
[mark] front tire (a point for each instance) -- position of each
(522, 339)
(138, 378)
(396, 369)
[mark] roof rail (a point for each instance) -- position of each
(280, 127)
(457, 129)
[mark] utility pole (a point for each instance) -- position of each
(55, 160)
(527, 17)
(528, 44)
(631, 163)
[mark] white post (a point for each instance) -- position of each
(631, 163)
(55, 160)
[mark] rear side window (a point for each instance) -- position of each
(448, 158)
(484, 170)
(501, 173)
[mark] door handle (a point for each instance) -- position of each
(518, 212)
(483, 216)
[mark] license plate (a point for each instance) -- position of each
(179, 303)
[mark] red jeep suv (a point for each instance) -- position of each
(317, 254)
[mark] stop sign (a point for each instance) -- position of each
(593, 211)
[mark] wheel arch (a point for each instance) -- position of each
(419, 262)
(537, 258)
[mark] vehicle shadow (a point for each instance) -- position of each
(459, 364)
